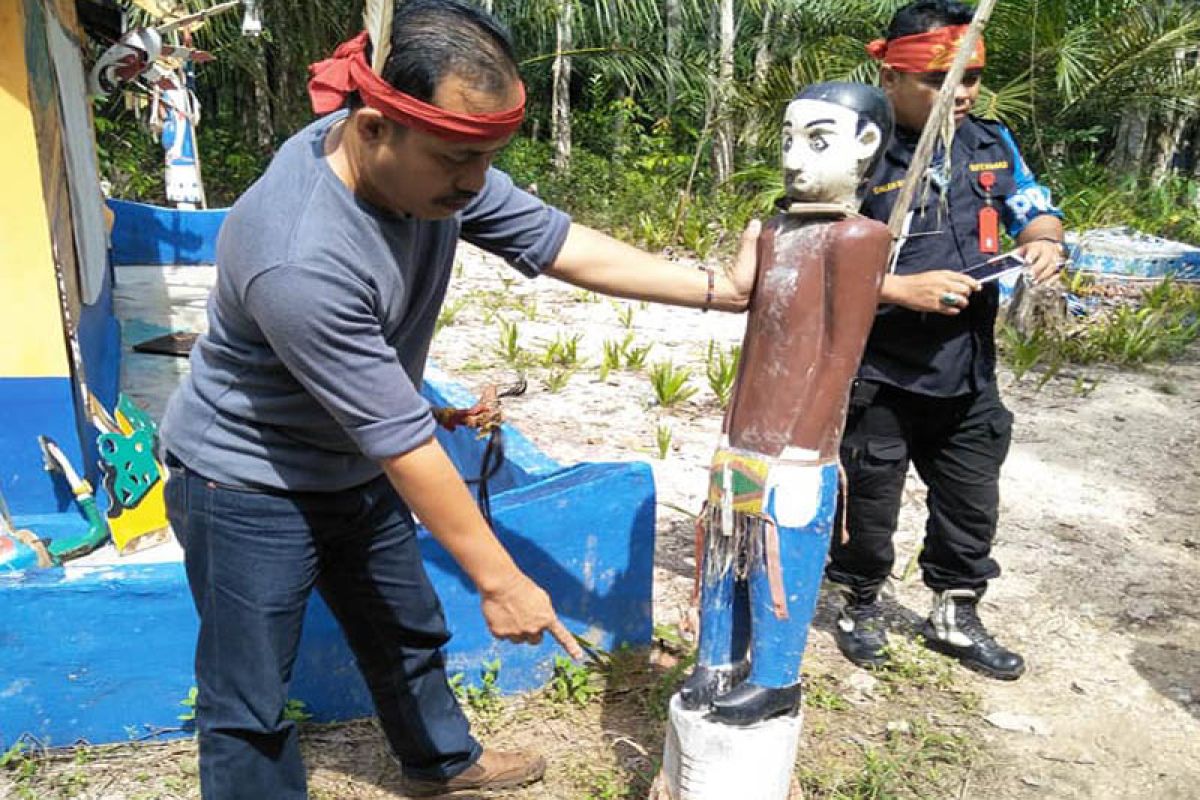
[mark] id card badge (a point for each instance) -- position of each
(989, 230)
(989, 217)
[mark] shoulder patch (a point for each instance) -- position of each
(887, 187)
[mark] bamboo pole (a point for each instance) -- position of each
(938, 118)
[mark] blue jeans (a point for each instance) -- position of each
(252, 560)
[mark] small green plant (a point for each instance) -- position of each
(624, 314)
(662, 438)
(509, 347)
(563, 351)
(556, 379)
(1022, 351)
(449, 313)
(819, 692)
(670, 383)
(659, 697)
(635, 357)
(585, 296)
(1084, 385)
(572, 683)
(296, 711)
(19, 760)
(188, 702)
(912, 665)
(610, 358)
(527, 305)
(483, 699)
(721, 368)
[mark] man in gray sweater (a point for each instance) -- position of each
(299, 447)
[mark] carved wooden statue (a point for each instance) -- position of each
(774, 477)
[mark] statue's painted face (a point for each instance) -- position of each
(824, 153)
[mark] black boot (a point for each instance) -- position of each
(707, 683)
(954, 628)
(860, 633)
(748, 703)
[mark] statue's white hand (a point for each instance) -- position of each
(745, 264)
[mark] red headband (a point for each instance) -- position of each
(932, 51)
(347, 71)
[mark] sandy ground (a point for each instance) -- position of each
(1099, 537)
(1098, 540)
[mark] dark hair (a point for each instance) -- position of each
(435, 38)
(869, 102)
(928, 15)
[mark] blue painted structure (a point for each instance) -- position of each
(105, 653)
(145, 234)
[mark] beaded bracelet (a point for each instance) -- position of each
(708, 295)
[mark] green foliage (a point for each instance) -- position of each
(556, 379)
(294, 710)
(1091, 198)
(625, 313)
(819, 692)
(721, 367)
(662, 438)
(129, 158)
(1022, 352)
(659, 698)
(610, 358)
(1158, 327)
(1132, 336)
(449, 313)
(670, 383)
(509, 346)
(563, 351)
(913, 761)
(572, 683)
(188, 702)
(635, 357)
(19, 760)
(482, 698)
(229, 161)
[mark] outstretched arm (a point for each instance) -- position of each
(596, 261)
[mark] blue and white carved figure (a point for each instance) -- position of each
(774, 481)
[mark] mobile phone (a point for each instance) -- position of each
(995, 268)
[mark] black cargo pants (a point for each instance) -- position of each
(957, 445)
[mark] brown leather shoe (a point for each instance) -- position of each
(495, 769)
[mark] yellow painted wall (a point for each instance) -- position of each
(31, 334)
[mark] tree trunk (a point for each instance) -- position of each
(263, 122)
(723, 133)
(1130, 142)
(762, 57)
(762, 65)
(560, 103)
(1167, 143)
(1194, 158)
(673, 20)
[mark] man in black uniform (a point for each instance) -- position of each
(926, 390)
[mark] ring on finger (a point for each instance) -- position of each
(949, 299)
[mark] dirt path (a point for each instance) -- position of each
(1099, 542)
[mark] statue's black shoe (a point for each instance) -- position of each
(707, 683)
(748, 703)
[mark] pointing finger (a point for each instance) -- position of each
(565, 639)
